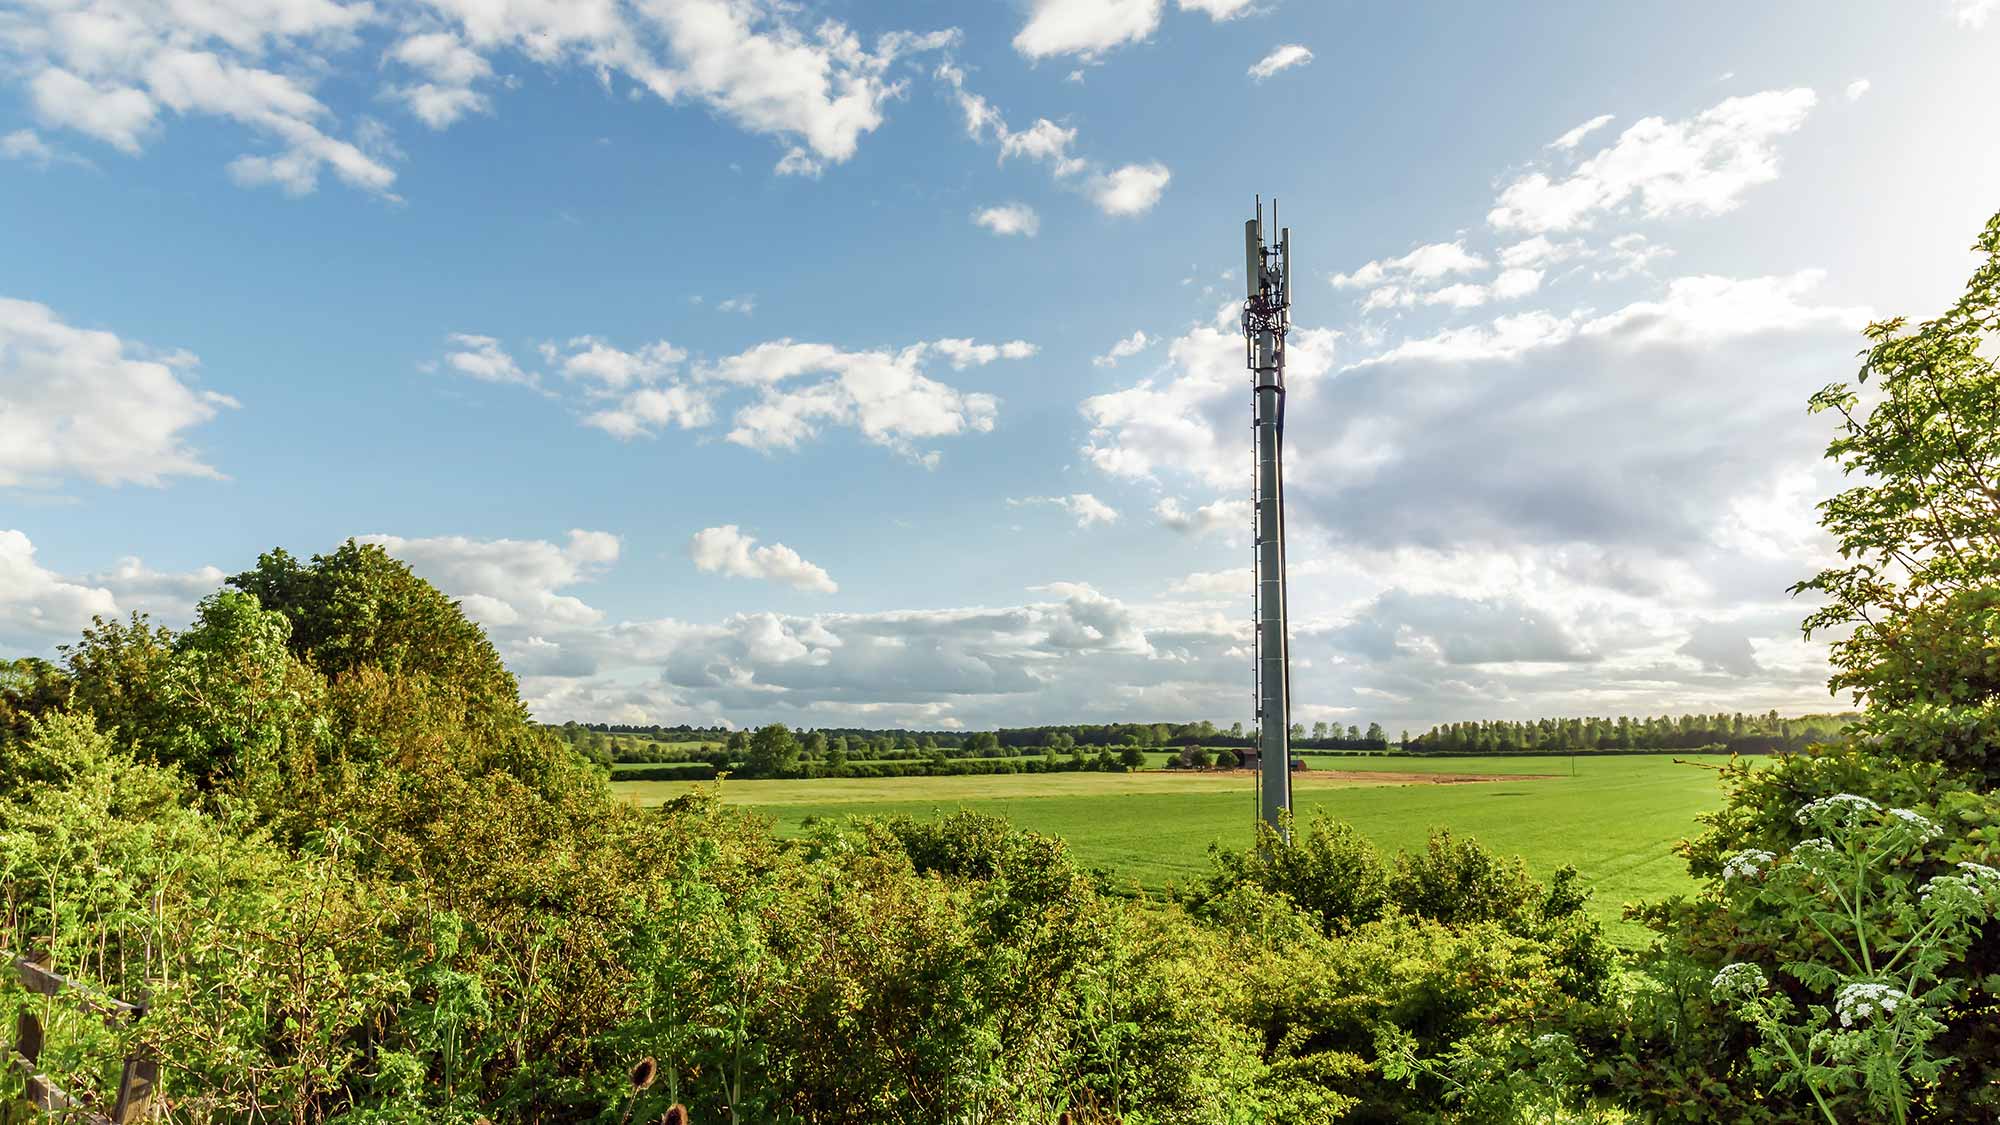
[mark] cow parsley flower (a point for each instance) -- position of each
(1923, 827)
(1965, 893)
(1739, 981)
(1865, 1001)
(1817, 854)
(1845, 807)
(1746, 864)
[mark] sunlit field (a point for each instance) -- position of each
(1616, 819)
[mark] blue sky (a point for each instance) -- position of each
(746, 361)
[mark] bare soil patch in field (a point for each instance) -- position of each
(1385, 777)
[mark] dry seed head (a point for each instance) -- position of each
(677, 1114)
(644, 1072)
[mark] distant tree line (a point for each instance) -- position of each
(831, 749)
(1736, 733)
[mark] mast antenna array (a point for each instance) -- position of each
(1267, 318)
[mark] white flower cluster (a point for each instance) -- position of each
(1846, 807)
(1738, 981)
(1817, 854)
(1866, 1001)
(1968, 891)
(1746, 864)
(1922, 826)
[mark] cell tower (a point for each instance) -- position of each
(1266, 320)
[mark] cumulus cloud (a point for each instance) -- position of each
(28, 147)
(1283, 58)
(1085, 27)
(726, 550)
(1645, 472)
(84, 403)
(788, 391)
(1009, 218)
(1225, 515)
(483, 358)
(1087, 509)
(1455, 630)
(1128, 190)
(1088, 28)
(1425, 264)
(1124, 349)
(36, 603)
(1700, 165)
(118, 70)
(1973, 13)
(1857, 89)
(1188, 419)
(969, 353)
(511, 582)
(41, 608)
(1575, 136)
(1131, 190)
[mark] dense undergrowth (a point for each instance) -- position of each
(317, 832)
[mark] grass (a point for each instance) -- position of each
(1616, 820)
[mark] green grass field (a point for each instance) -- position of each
(1616, 819)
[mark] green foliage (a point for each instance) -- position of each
(774, 752)
(359, 608)
(29, 687)
(1841, 962)
(1918, 587)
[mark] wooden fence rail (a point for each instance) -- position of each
(142, 1072)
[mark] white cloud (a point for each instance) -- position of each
(595, 361)
(1009, 218)
(28, 147)
(1538, 251)
(967, 353)
(1973, 13)
(646, 411)
(110, 68)
(1189, 418)
(511, 582)
(1128, 190)
(450, 69)
(1130, 346)
(1629, 254)
(482, 358)
(1216, 584)
(84, 403)
(885, 395)
(1087, 509)
(1857, 89)
(1462, 295)
(1131, 190)
(1218, 10)
(1088, 28)
(1575, 136)
(745, 304)
(1701, 165)
(1044, 142)
(798, 162)
(1085, 27)
(1426, 263)
(1228, 516)
(1517, 282)
(1283, 58)
(726, 550)
(37, 604)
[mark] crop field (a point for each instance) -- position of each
(1615, 819)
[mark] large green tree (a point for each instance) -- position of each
(1917, 590)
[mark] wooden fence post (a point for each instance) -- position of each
(138, 1084)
